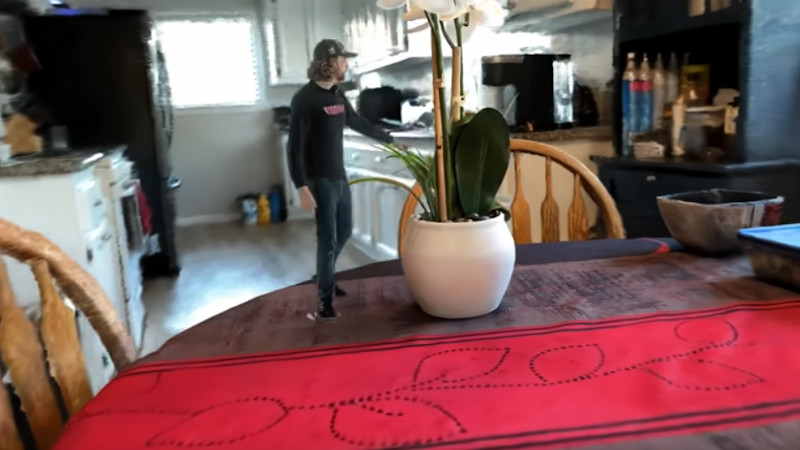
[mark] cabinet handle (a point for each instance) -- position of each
(98, 203)
(90, 254)
(104, 359)
(651, 178)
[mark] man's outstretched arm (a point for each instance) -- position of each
(364, 126)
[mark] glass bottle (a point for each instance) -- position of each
(628, 105)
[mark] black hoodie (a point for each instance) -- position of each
(316, 138)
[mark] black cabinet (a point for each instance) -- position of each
(751, 46)
(635, 185)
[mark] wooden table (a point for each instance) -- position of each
(554, 283)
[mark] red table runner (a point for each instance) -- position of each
(552, 386)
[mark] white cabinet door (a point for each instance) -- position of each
(376, 214)
(390, 207)
(100, 255)
(374, 33)
(99, 367)
(362, 201)
(325, 19)
(287, 33)
(102, 266)
(293, 28)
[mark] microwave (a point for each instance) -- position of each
(533, 91)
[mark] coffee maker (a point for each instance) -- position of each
(534, 91)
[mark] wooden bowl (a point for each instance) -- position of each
(708, 222)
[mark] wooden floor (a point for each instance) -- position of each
(226, 265)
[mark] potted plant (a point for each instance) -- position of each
(459, 254)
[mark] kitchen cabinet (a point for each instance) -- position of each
(635, 185)
(374, 33)
(381, 38)
(745, 44)
(292, 28)
(376, 214)
(70, 210)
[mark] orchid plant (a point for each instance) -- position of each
(472, 153)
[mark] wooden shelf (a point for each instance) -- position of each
(687, 165)
(733, 15)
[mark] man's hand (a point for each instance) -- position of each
(307, 199)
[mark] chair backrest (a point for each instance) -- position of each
(30, 360)
(577, 218)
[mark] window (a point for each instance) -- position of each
(211, 61)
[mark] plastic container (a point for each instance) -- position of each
(774, 253)
(276, 206)
(264, 212)
(249, 209)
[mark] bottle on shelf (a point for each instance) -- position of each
(659, 93)
(672, 77)
(688, 98)
(629, 108)
(643, 93)
(700, 74)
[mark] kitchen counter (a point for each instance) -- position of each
(584, 133)
(33, 165)
(599, 133)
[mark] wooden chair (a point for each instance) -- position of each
(30, 361)
(578, 222)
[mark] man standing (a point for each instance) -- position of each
(320, 112)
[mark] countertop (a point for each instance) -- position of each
(687, 165)
(584, 133)
(599, 133)
(36, 165)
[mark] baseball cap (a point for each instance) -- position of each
(330, 48)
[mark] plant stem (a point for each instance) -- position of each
(447, 37)
(444, 169)
(460, 43)
(456, 88)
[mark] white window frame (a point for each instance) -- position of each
(258, 48)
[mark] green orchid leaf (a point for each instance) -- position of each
(482, 152)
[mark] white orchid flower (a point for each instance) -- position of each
(392, 4)
(440, 7)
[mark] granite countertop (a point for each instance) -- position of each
(584, 133)
(599, 133)
(37, 164)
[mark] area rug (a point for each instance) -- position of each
(556, 386)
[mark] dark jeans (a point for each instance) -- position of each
(334, 226)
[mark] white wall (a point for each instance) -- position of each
(221, 153)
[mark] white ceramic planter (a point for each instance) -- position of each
(458, 270)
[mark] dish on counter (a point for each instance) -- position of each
(774, 253)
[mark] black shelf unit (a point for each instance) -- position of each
(752, 46)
